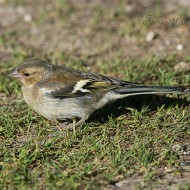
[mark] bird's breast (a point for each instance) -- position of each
(30, 95)
(53, 108)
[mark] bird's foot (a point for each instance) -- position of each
(62, 128)
(65, 126)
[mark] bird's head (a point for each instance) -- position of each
(31, 72)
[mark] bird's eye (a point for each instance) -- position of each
(26, 74)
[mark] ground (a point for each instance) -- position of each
(141, 142)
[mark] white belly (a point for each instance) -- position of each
(51, 108)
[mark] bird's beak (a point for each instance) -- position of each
(14, 74)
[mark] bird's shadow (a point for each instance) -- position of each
(153, 102)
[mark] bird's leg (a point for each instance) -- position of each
(65, 125)
(81, 121)
(73, 126)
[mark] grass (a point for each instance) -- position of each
(129, 140)
(138, 140)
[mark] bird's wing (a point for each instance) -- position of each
(71, 83)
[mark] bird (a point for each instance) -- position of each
(62, 93)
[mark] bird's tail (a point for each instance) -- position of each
(134, 90)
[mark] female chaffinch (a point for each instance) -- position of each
(58, 92)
